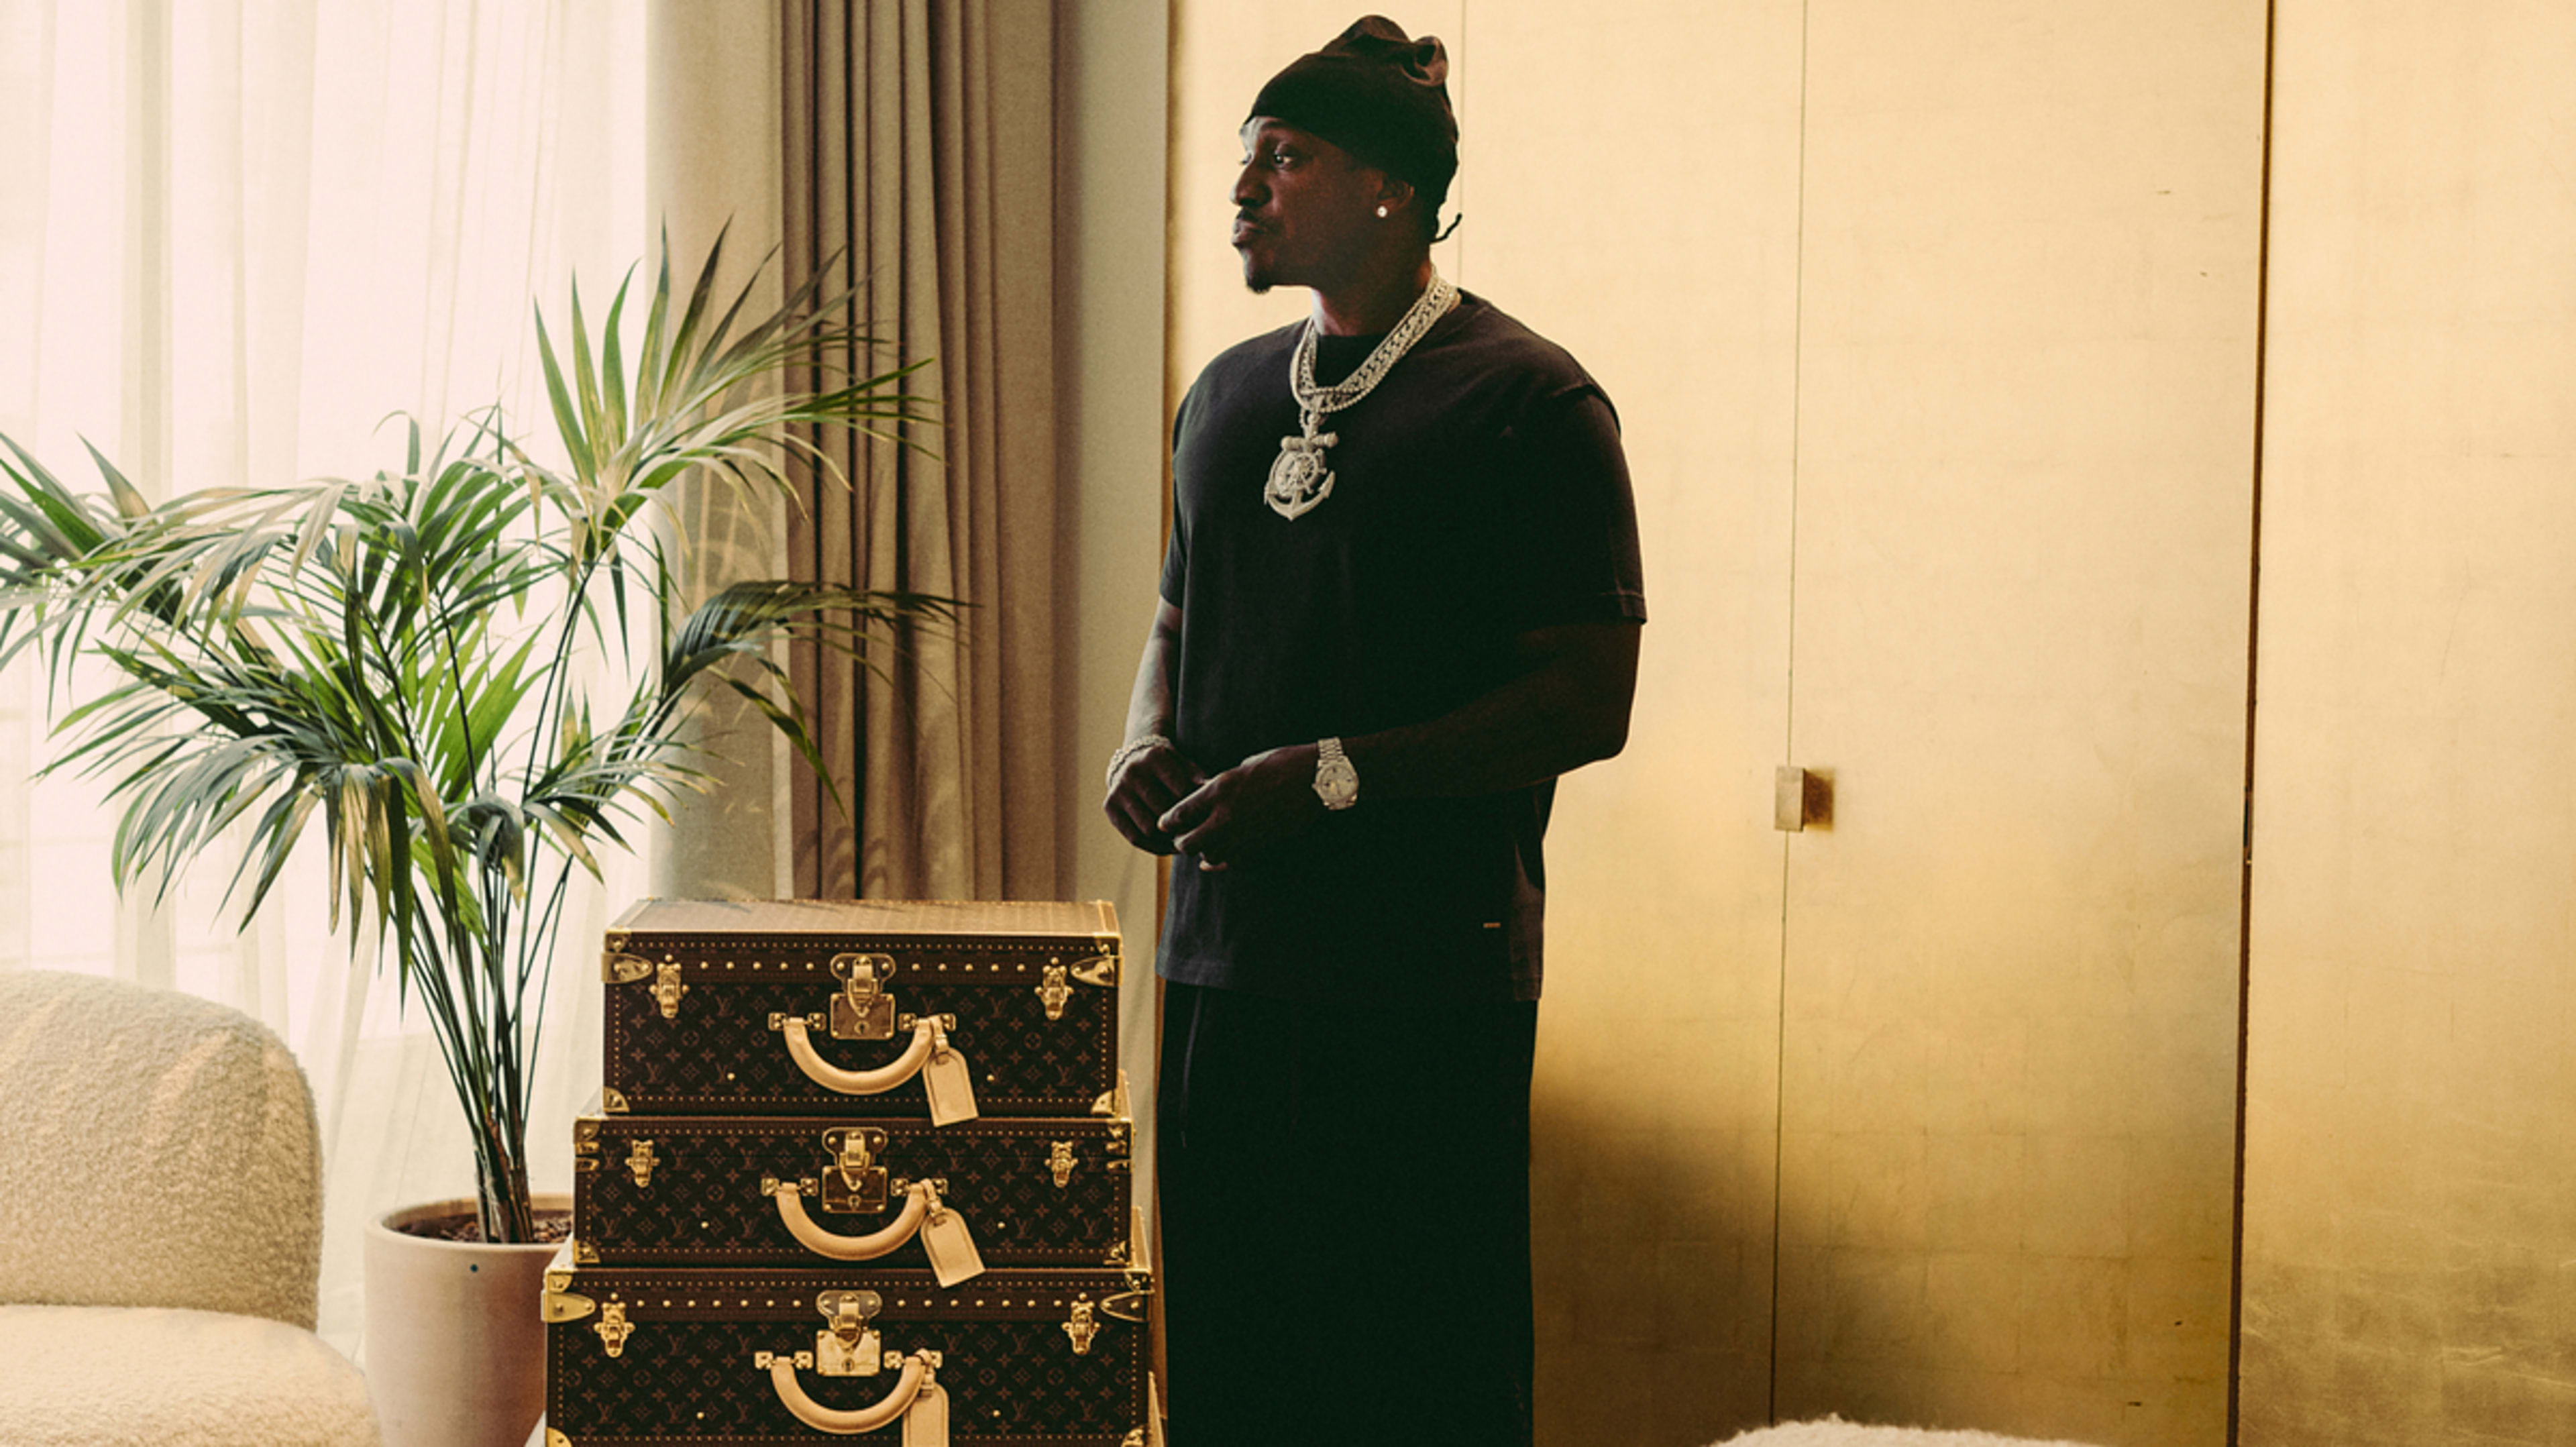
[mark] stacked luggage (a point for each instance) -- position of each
(859, 1171)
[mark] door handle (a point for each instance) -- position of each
(1801, 797)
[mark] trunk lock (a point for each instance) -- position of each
(1082, 1328)
(667, 989)
(853, 1180)
(864, 1010)
(613, 1327)
(1055, 992)
(849, 1347)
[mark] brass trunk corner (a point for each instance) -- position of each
(561, 1306)
(1102, 968)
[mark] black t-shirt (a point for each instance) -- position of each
(1479, 492)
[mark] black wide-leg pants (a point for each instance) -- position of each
(1345, 1221)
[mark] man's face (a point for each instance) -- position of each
(1303, 208)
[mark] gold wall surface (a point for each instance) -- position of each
(1932, 328)
(2410, 1205)
(2024, 505)
(1638, 203)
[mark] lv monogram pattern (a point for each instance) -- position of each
(719, 1056)
(703, 1204)
(694, 1259)
(1008, 1381)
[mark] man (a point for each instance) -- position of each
(1401, 597)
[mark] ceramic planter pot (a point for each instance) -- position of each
(455, 1349)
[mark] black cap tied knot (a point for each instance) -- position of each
(1380, 95)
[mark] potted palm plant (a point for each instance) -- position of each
(470, 672)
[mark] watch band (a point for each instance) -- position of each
(1336, 782)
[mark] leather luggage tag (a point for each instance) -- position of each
(948, 1081)
(925, 1423)
(950, 1247)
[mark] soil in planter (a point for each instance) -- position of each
(465, 1226)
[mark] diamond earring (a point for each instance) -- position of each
(1381, 213)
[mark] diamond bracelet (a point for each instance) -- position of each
(1131, 749)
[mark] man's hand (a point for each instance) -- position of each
(1264, 799)
(1147, 783)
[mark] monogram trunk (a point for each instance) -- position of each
(640, 1355)
(816, 1191)
(940, 1011)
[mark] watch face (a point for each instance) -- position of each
(1337, 783)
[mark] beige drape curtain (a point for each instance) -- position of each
(919, 145)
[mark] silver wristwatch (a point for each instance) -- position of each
(1336, 782)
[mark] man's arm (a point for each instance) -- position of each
(1146, 781)
(1566, 708)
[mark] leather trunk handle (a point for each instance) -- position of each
(810, 1234)
(800, 1046)
(791, 1395)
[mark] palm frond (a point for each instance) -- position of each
(400, 662)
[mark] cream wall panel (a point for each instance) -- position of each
(2023, 530)
(1111, 88)
(2410, 1207)
(1637, 202)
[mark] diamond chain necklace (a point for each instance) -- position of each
(1299, 478)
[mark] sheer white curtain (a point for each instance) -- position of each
(235, 237)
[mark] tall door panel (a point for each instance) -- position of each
(1631, 192)
(2410, 1165)
(2023, 511)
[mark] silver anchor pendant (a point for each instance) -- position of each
(1298, 477)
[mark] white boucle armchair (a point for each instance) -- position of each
(160, 1227)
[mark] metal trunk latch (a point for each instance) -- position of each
(1113, 1101)
(667, 989)
(1060, 1162)
(1055, 991)
(853, 1180)
(1102, 968)
(864, 1010)
(640, 1161)
(849, 1347)
(613, 1327)
(1082, 1328)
